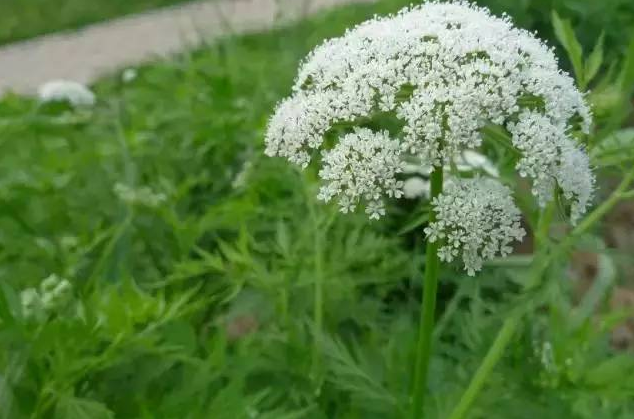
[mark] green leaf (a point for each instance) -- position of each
(615, 149)
(566, 36)
(9, 303)
(78, 408)
(181, 334)
(594, 60)
(626, 78)
(415, 223)
(616, 369)
(498, 135)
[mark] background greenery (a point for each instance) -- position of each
(192, 294)
(21, 19)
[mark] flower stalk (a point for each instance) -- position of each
(428, 308)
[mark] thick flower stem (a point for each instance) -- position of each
(318, 303)
(540, 266)
(428, 309)
(318, 310)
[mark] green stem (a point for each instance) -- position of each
(318, 277)
(318, 312)
(428, 308)
(488, 363)
(541, 263)
(543, 225)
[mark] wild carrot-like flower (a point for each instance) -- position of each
(423, 85)
(444, 71)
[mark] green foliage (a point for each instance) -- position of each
(193, 259)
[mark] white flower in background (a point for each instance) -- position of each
(72, 92)
(416, 187)
(31, 302)
(53, 295)
(469, 160)
(69, 242)
(128, 75)
(445, 70)
(476, 220)
(143, 196)
(547, 358)
(55, 292)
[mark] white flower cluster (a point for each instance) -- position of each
(72, 92)
(363, 164)
(551, 158)
(143, 196)
(476, 219)
(444, 70)
(54, 293)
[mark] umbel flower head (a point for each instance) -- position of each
(476, 219)
(444, 71)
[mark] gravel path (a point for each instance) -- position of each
(88, 53)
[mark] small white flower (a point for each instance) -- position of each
(128, 75)
(470, 160)
(55, 292)
(69, 242)
(375, 210)
(416, 187)
(143, 196)
(72, 92)
(49, 284)
(477, 218)
(31, 304)
(548, 358)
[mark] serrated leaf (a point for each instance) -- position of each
(9, 303)
(616, 148)
(626, 78)
(498, 135)
(180, 334)
(594, 60)
(79, 408)
(566, 36)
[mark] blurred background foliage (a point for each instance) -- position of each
(191, 258)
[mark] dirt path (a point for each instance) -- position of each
(88, 53)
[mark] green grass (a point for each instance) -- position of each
(201, 305)
(21, 19)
